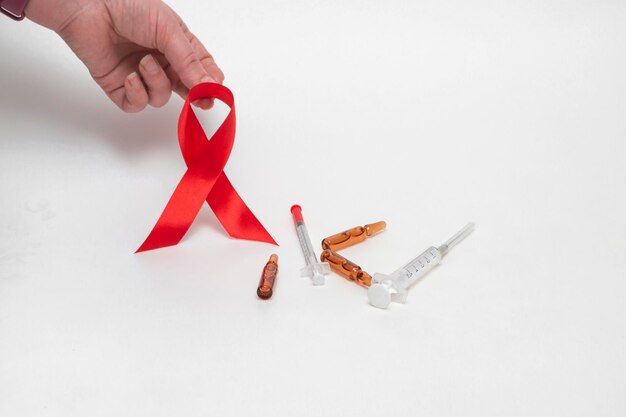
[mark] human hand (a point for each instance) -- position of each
(138, 51)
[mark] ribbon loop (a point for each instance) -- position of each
(205, 179)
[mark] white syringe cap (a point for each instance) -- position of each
(379, 295)
(384, 290)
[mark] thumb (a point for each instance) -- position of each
(183, 58)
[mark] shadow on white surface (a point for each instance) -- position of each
(74, 103)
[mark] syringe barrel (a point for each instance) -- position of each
(305, 244)
(415, 269)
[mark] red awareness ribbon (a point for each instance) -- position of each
(205, 179)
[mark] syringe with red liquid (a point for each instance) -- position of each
(313, 269)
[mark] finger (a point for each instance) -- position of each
(207, 60)
(136, 96)
(208, 63)
(158, 85)
(204, 103)
(180, 89)
(182, 56)
(177, 85)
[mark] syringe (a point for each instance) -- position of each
(313, 269)
(388, 288)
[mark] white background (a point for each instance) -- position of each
(426, 114)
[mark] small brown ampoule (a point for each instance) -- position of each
(346, 268)
(350, 237)
(268, 277)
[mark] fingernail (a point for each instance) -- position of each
(149, 64)
(207, 79)
(133, 79)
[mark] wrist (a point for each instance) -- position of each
(13, 8)
(54, 14)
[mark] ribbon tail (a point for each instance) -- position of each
(234, 215)
(179, 213)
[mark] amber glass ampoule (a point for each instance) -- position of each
(346, 268)
(352, 236)
(266, 285)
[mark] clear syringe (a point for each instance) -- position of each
(313, 269)
(394, 287)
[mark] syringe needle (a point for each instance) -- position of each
(454, 240)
